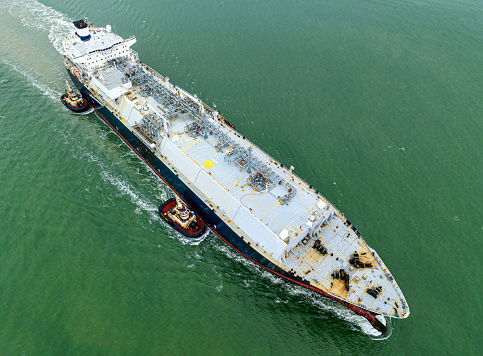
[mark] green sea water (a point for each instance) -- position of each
(377, 104)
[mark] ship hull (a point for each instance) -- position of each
(214, 222)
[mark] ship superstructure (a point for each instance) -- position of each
(255, 204)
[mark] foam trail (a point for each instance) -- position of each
(88, 111)
(35, 80)
(192, 241)
(125, 188)
(38, 16)
(81, 153)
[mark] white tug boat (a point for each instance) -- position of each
(251, 201)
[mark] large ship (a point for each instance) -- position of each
(255, 204)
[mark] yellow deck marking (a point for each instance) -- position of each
(241, 175)
(215, 153)
(209, 164)
(193, 142)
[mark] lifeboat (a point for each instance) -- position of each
(73, 100)
(179, 216)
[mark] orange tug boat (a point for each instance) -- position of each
(182, 218)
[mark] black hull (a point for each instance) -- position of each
(215, 223)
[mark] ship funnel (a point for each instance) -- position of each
(82, 30)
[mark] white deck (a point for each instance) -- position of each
(264, 205)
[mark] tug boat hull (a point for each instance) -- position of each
(199, 228)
